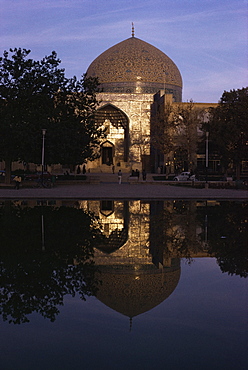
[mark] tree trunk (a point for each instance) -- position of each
(238, 171)
(8, 166)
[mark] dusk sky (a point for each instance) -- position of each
(207, 39)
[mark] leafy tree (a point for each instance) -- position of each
(172, 230)
(227, 235)
(187, 119)
(35, 95)
(174, 131)
(162, 129)
(43, 265)
(228, 128)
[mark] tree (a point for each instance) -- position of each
(73, 125)
(174, 131)
(227, 235)
(162, 129)
(187, 119)
(173, 230)
(228, 128)
(35, 95)
(38, 272)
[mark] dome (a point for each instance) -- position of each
(133, 292)
(134, 66)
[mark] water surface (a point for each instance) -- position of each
(123, 285)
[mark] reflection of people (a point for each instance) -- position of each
(119, 176)
(17, 180)
(113, 169)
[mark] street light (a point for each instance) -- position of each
(43, 153)
(207, 134)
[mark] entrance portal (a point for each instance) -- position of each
(107, 155)
(118, 119)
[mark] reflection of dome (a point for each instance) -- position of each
(134, 66)
(132, 292)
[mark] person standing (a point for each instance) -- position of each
(119, 176)
(137, 174)
(144, 175)
(17, 180)
(53, 180)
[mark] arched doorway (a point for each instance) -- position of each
(118, 119)
(107, 153)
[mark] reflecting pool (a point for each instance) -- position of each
(123, 284)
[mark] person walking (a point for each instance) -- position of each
(119, 176)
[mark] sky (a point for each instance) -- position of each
(207, 39)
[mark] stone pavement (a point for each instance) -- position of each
(109, 188)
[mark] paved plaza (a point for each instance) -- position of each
(108, 188)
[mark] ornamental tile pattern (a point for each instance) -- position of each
(135, 66)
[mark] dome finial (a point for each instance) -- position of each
(132, 29)
(130, 323)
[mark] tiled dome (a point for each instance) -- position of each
(134, 292)
(134, 66)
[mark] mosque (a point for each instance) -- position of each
(133, 76)
(137, 84)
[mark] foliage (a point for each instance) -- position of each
(227, 236)
(35, 95)
(228, 126)
(172, 232)
(224, 233)
(51, 257)
(187, 118)
(162, 129)
(174, 129)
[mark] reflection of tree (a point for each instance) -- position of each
(173, 230)
(227, 236)
(173, 233)
(36, 278)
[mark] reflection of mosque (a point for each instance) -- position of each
(136, 273)
(142, 242)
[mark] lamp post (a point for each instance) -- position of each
(165, 78)
(43, 153)
(207, 135)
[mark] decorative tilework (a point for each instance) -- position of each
(134, 66)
